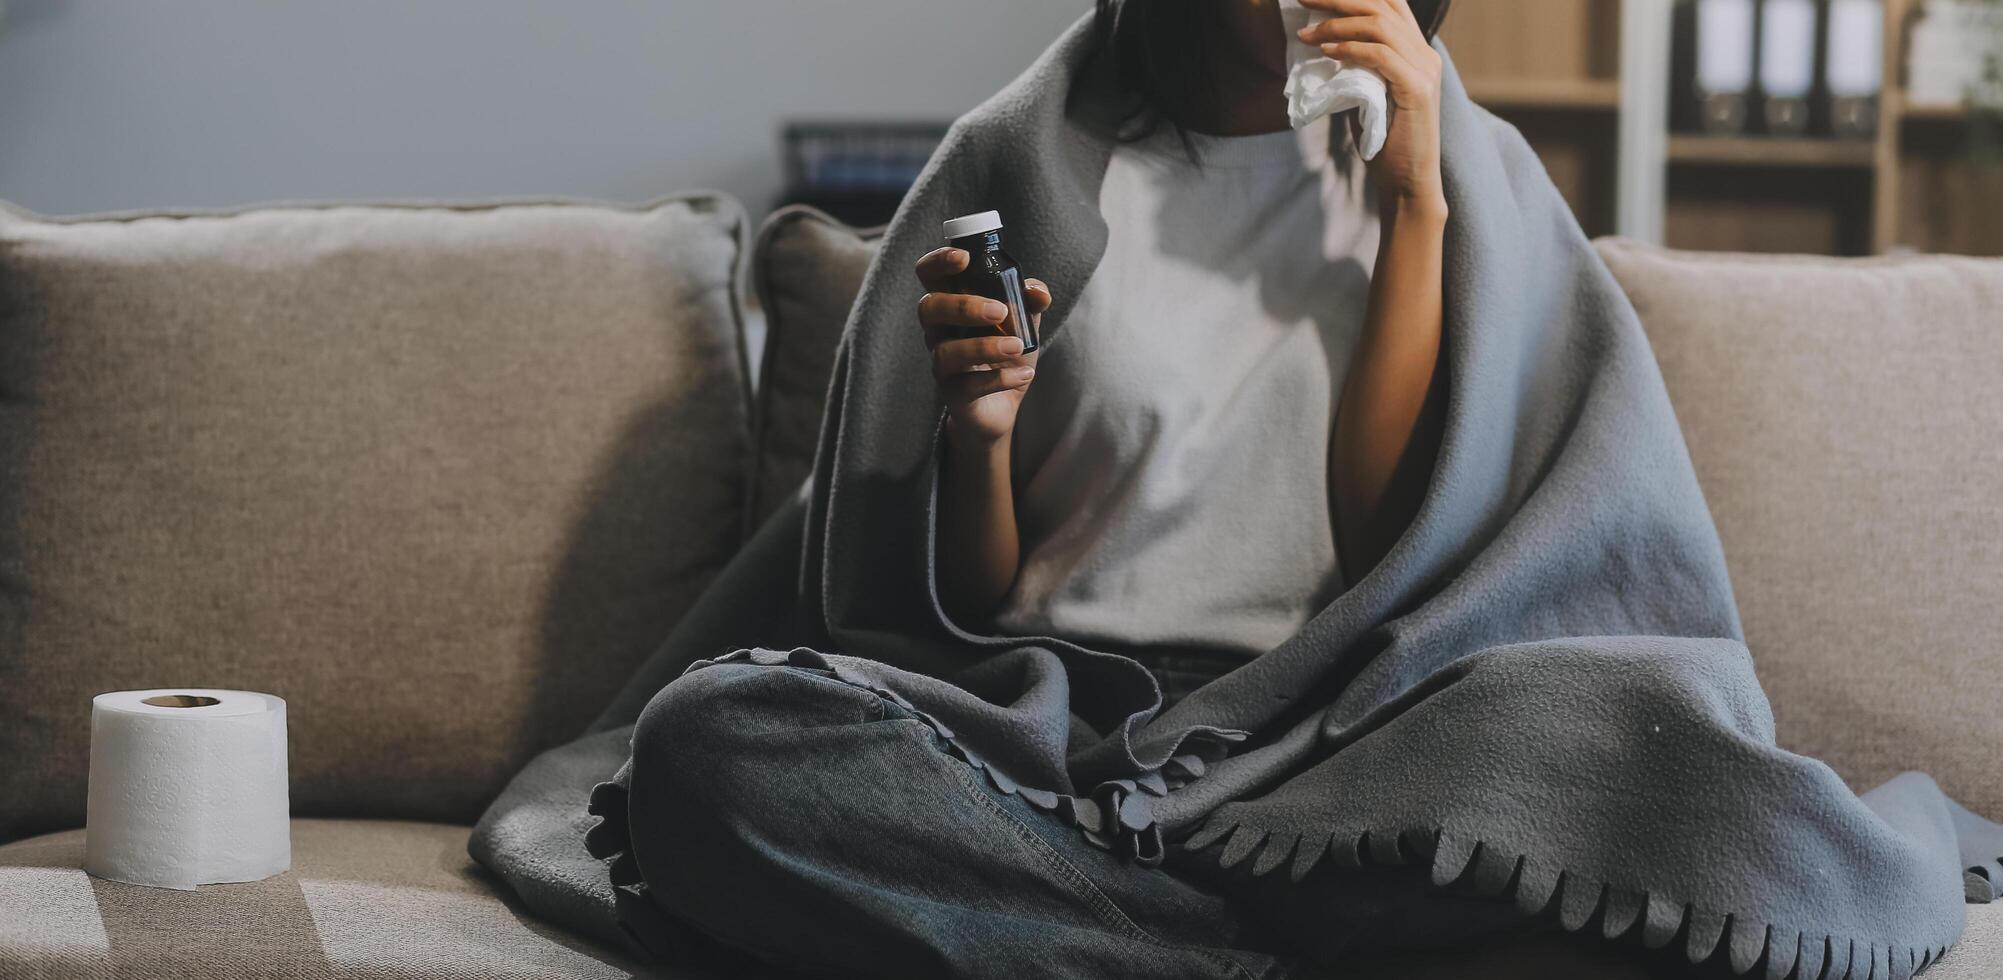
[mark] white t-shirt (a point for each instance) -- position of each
(1171, 458)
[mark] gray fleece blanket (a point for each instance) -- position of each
(1541, 693)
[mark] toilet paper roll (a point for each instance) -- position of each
(187, 787)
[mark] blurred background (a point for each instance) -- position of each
(1833, 126)
(112, 104)
(1842, 127)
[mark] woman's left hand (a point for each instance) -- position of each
(1382, 35)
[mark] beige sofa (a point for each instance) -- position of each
(440, 476)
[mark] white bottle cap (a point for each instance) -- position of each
(972, 224)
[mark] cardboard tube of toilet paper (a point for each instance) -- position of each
(187, 787)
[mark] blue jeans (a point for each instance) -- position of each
(821, 828)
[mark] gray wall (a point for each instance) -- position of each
(108, 104)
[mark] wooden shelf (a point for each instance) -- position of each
(1760, 151)
(1597, 94)
(1934, 113)
(1553, 69)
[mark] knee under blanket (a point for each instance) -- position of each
(1541, 691)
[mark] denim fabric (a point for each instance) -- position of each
(821, 828)
(814, 825)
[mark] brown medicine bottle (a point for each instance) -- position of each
(991, 272)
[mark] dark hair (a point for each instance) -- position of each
(1161, 60)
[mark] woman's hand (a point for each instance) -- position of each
(1382, 35)
(981, 378)
(982, 374)
(1388, 422)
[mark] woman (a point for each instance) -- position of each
(1334, 580)
(1274, 237)
(1213, 200)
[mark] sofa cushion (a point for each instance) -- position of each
(1846, 421)
(387, 901)
(807, 268)
(364, 898)
(439, 476)
(1551, 955)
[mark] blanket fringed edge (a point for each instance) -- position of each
(1537, 886)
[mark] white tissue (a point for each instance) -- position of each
(186, 796)
(1318, 85)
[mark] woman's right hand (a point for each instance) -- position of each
(981, 378)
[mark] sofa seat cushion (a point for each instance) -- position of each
(401, 901)
(1846, 422)
(439, 476)
(1979, 955)
(364, 898)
